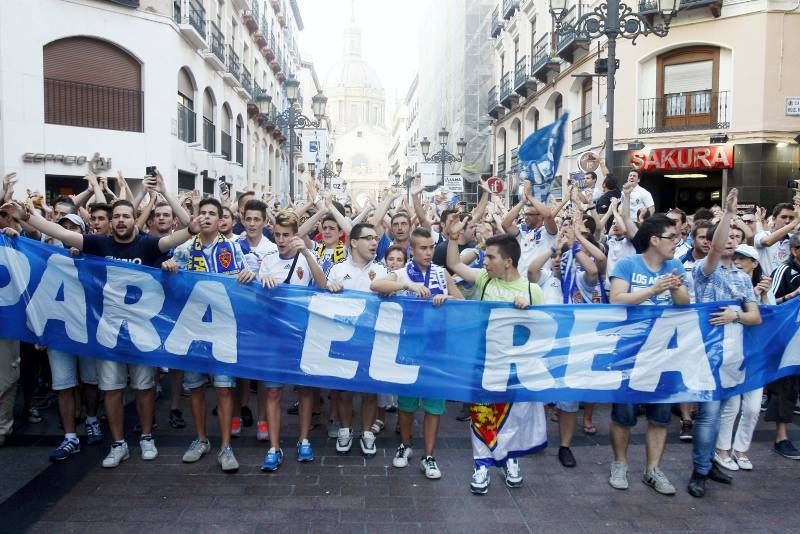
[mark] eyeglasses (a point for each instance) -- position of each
(367, 237)
(674, 238)
(748, 221)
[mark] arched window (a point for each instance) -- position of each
(92, 84)
(209, 130)
(226, 131)
(239, 144)
(187, 129)
(558, 106)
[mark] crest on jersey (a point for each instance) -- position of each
(300, 273)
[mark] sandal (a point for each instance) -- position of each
(377, 426)
(589, 429)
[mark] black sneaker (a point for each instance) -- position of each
(247, 416)
(786, 449)
(294, 409)
(796, 409)
(686, 430)
(566, 457)
(764, 402)
(176, 419)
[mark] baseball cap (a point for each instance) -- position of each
(74, 219)
(747, 251)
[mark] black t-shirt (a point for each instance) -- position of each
(142, 251)
(440, 253)
(604, 202)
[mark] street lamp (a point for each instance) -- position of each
(293, 118)
(443, 156)
(614, 19)
(326, 173)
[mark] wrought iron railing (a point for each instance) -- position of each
(197, 16)
(187, 128)
(697, 110)
(254, 9)
(209, 135)
(509, 6)
(568, 34)
(239, 153)
(541, 53)
(501, 165)
(88, 105)
(497, 26)
(233, 62)
(521, 73)
(582, 131)
(217, 42)
(491, 99)
(505, 86)
(247, 81)
(226, 145)
(648, 6)
(514, 158)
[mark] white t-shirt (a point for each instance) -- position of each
(688, 265)
(640, 198)
(770, 257)
(533, 242)
(256, 255)
(278, 268)
(617, 249)
(351, 276)
(551, 287)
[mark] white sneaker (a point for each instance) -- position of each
(119, 452)
(726, 463)
(401, 457)
(513, 473)
(368, 443)
(743, 462)
(480, 481)
(429, 466)
(149, 451)
(196, 451)
(344, 441)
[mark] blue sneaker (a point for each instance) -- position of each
(93, 433)
(67, 448)
(304, 452)
(272, 460)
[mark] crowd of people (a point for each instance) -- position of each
(600, 243)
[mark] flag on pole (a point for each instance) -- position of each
(539, 155)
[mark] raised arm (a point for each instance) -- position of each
(181, 236)
(380, 213)
(454, 258)
(173, 202)
(721, 233)
(630, 227)
(33, 219)
(480, 209)
(416, 199)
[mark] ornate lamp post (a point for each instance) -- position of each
(443, 156)
(614, 19)
(292, 118)
(326, 173)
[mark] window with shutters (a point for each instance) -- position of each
(209, 130)
(187, 129)
(92, 83)
(226, 132)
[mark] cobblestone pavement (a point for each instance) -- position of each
(354, 494)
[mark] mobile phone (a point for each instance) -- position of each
(150, 171)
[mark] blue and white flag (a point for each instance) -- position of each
(539, 155)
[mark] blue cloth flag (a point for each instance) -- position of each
(539, 155)
(463, 350)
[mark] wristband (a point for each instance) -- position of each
(189, 229)
(738, 317)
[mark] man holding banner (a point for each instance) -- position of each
(650, 278)
(126, 244)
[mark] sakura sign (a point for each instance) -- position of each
(683, 158)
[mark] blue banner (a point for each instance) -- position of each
(539, 155)
(468, 351)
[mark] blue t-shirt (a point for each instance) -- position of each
(143, 250)
(635, 271)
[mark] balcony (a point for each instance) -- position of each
(493, 107)
(497, 24)
(648, 7)
(501, 165)
(268, 50)
(246, 90)
(543, 64)
(507, 98)
(191, 19)
(226, 146)
(582, 131)
(260, 35)
(250, 16)
(187, 124)
(524, 84)
(698, 110)
(514, 159)
(209, 136)
(215, 55)
(714, 5)
(509, 8)
(233, 76)
(276, 5)
(87, 105)
(240, 4)
(282, 19)
(568, 41)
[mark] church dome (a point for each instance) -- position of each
(355, 72)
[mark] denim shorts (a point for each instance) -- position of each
(411, 404)
(194, 380)
(568, 406)
(64, 369)
(625, 414)
(113, 375)
(272, 385)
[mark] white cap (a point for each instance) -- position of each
(747, 251)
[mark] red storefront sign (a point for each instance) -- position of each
(684, 158)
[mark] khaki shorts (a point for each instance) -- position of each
(114, 375)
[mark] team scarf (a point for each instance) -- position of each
(338, 256)
(222, 253)
(437, 283)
